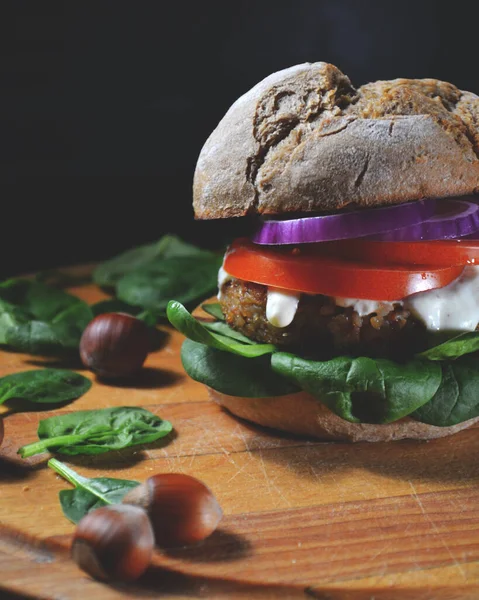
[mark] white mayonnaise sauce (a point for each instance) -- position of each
(454, 307)
(281, 306)
(223, 277)
(366, 307)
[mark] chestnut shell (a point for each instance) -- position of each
(182, 509)
(115, 345)
(114, 543)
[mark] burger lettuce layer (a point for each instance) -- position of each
(439, 386)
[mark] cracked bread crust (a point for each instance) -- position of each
(305, 140)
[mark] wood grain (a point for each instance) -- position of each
(303, 519)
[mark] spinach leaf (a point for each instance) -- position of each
(43, 386)
(466, 343)
(363, 389)
(187, 278)
(232, 374)
(182, 320)
(111, 271)
(39, 319)
(225, 330)
(149, 276)
(214, 309)
(43, 301)
(457, 399)
(88, 494)
(97, 431)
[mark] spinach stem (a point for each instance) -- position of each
(44, 445)
(65, 472)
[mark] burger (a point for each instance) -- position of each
(350, 310)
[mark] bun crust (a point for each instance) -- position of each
(304, 139)
(302, 414)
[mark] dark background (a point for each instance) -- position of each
(104, 105)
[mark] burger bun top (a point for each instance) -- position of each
(305, 140)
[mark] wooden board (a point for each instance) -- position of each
(303, 519)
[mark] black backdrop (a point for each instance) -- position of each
(105, 105)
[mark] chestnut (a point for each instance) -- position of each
(182, 509)
(114, 543)
(115, 345)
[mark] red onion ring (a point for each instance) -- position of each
(345, 225)
(454, 218)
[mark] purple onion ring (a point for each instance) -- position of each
(454, 218)
(344, 225)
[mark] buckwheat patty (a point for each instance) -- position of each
(320, 327)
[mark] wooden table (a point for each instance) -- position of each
(303, 519)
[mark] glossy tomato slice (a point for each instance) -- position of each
(441, 253)
(313, 273)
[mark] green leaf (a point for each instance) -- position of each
(182, 320)
(39, 319)
(77, 503)
(466, 343)
(97, 431)
(363, 389)
(43, 386)
(88, 494)
(457, 399)
(214, 309)
(232, 374)
(110, 272)
(188, 279)
(221, 328)
(151, 275)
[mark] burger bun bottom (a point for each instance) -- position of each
(302, 414)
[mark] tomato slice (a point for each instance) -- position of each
(313, 273)
(440, 253)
